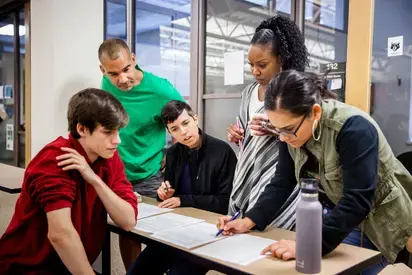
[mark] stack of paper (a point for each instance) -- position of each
(239, 249)
(165, 221)
(190, 236)
(146, 210)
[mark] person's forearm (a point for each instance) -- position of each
(120, 211)
(71, 251)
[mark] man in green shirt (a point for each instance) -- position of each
(143, 96)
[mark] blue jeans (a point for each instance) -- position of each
(354, 238)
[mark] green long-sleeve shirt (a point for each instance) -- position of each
(143, 139)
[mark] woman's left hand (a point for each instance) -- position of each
(260, 125)
(283, 249)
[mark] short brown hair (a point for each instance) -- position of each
(92, 107)
(111, 48)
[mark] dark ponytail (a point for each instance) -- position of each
(296, 92)
(286, 40)
(322, 86)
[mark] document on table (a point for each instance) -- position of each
(165, 221)
(190, 236)
(146, 210)
(239, 249)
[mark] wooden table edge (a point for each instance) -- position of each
(200, 259)
(207, 261)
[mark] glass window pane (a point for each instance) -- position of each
(391, 76)
(22, 123)
(219, 114)
(116, 19)
(326, 24)
(163, 40)
(6, 86)
(230, 25)
(8, 103)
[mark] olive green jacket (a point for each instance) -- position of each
(389, 224)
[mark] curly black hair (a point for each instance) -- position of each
(286, 40)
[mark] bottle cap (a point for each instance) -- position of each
(309, 185)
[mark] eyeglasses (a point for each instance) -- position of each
(286, 133)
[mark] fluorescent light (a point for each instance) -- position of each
(9, 30)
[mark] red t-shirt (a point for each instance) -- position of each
(25, 247)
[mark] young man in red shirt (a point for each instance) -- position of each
(69, 187)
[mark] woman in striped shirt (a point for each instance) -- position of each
(276, 45)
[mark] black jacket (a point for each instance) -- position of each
(212, 169)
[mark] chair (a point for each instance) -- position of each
(406, 160)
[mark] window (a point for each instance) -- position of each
(391, 104)
(163, 40)
(12, 115)
(326, 24)
(115, 19)
(230, 26)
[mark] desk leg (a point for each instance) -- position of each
(106, 258)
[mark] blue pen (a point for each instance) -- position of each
(234, 217)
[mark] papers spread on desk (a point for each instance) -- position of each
(146, 210)
(239, 249)
(190, 236)
(165, 221)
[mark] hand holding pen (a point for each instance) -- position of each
(229, 225)
(235, 133)
(260, 125)
(165, 191)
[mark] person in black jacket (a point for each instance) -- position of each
(199, 168)
(199, 173)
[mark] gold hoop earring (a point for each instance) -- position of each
(314, 126)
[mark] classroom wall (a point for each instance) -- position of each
(65, 36)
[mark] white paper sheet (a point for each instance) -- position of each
(9, 137)
(190, 236)
(146, 210)
(239, 249)
(234, 63)
(395, 46)
(336, 84)
(165, 221)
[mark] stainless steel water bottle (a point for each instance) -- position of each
(309, 228)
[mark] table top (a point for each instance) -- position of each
(11, 178)
(341, 260)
